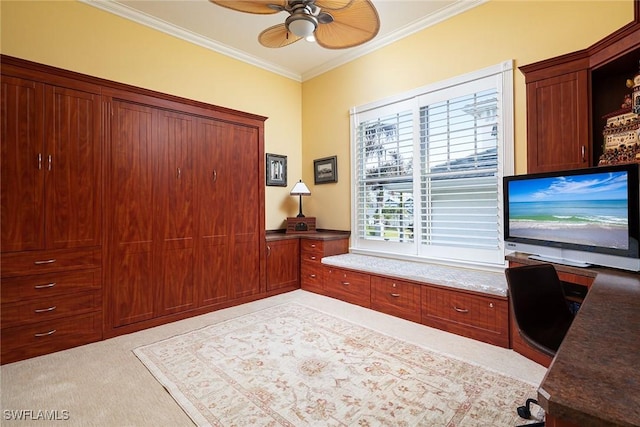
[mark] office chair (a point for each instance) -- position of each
(541, 312)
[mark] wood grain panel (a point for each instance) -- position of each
(349, 286)
(49, 285)
(283, 265)
(133, 288)
(21, 165)
(31, 340)
(214, 177)
(478, 317)
(173, 212)
(41, 309)
(73, 168)
(396, 297)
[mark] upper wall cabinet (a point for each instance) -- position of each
(51, 165)
(568, 95)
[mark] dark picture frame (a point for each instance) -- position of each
(276, 170)
(325, 170)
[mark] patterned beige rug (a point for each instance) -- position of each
(291, 365)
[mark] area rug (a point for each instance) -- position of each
(291, 365)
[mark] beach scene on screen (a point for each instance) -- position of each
(582, 209)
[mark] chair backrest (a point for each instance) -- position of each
(539, 305)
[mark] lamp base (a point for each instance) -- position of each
(305, 224)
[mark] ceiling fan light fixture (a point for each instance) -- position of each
(301, 25)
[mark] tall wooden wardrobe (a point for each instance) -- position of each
(122, 208)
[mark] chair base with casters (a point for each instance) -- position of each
(525, 412)
(540, 312)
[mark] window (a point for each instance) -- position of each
(428, 169)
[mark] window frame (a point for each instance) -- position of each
(453, 87)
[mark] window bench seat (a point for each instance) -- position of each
(472, 303)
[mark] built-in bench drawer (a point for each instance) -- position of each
(348, 286)
(483, 318)
(396, 297)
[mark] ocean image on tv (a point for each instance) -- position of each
(583, 209)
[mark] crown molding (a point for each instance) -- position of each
(191, 37)
(380, 42)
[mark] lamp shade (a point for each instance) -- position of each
(300, 189)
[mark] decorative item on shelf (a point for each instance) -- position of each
(636, 92)
(276, 170)
(325, 170)
(622, 130)
(301, 224)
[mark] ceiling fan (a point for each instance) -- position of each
(335, 24)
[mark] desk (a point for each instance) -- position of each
(594, 379)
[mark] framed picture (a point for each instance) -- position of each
(325, 170)
(276, 170)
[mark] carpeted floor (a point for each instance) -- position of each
(104, 384)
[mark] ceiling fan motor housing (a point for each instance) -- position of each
(302, 21)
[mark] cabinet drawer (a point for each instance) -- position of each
(310, 245)
(474, 316)
(395, 297)
(311, 278)
(40, 338)
(40, 309)
(348, 286)
(48, 285)
(36, 262)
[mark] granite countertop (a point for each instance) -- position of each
(485, 282)
(594, 379)
(318, 235)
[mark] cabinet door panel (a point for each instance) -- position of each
(73, 164)
(558, 123)
(132, 214)
(173, 216)
(22, 166)
(213, 180)
(243, 207)
(283, 264)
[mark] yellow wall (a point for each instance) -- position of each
(523, 30)
(79, 37)
(309, 120)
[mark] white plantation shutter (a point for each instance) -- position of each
(428, 169)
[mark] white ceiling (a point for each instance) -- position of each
(236, 33)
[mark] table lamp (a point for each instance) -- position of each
(300, 189)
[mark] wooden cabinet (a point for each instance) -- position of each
(283, 264)
(568, 95)
(396, 297)
(481, 317)
(349, 286)
(312, 250)
(185, 231)
(51, 203)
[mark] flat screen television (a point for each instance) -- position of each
(578, 217)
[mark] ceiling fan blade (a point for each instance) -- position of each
(277, 36)
(333, 4)
(351, 26)
(260, 7)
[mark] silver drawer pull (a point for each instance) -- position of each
(48, 285)
(48, 261)
(313, 276)
(45, 334)
(460, 310)
(313, 245)
(346, 283)
(44, 310)
(312, 258)
(395, 295)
